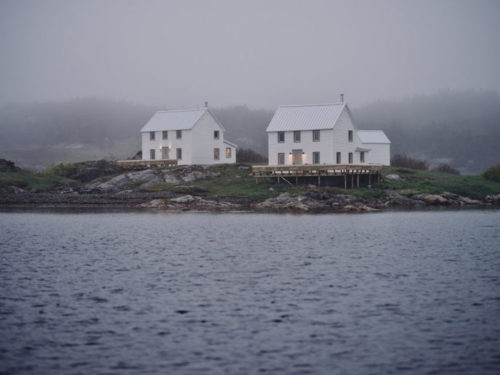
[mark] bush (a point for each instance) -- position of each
(7, 166)
(493, 173)
(404, 161)
(247, 155)
(61, 169)
(446, 168)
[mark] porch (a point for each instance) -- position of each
(291, 174)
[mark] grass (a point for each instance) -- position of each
(32, 181)
(236, 181)
(432, 182)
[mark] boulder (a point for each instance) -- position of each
(184, 199)
(469, 201)
(432, 199)
(449, 195)
(494, 199)
(393, 177)
(155, 203)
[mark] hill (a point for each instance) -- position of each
(459, 128)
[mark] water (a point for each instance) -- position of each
(161, 293)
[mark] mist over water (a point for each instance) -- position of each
(125, 292)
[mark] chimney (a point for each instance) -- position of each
(206, 104)
(342, 98)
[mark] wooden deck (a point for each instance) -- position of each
(288, 173)
(141, 164)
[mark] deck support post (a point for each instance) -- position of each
(352, 181)
(358, 180)
(345, 182)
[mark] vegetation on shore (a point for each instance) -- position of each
(237, 181)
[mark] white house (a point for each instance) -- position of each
(323, 134)
(190, 136)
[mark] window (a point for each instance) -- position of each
(165, 134)
(339, 158)
(315, 157)
(296, 136)
(350, 157)
(362, 156)
(281, 158)
(178, 134)
(152, 154)
(315, 135)
(349, 135)
(228, 152)
(281, 137)
(151, 136)
(216, 154)
(179, 153)
(216, 134)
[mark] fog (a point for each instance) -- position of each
(260, 53)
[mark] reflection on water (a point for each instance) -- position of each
(134, 292)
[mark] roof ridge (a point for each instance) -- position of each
(312, 105)
(182, 110)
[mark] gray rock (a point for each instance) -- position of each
(282, 197)
(449, 195)
(184, 199)
(469, 201)
(393, 177)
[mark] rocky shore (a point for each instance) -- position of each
(103, 184)
(310, 201)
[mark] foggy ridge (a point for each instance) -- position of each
(460, 128)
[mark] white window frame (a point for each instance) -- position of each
(296, 136)
(316, 136)
(279, 136)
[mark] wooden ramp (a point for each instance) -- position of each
(291, 173)
(143, 164)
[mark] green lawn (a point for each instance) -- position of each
(237, 181)
(415, 181)
(32, 181)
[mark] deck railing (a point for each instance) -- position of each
(283, 172)
(312, 170)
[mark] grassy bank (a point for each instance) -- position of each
(32, 181)
(417, 181)
(237, 181)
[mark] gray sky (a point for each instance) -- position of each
(260, 53)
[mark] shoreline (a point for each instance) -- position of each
(309, 202)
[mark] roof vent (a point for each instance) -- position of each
(342, 98)
(206, 104)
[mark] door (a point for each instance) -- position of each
(297, 157)
(164, 153)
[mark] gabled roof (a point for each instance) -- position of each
(179, 119)
(306, 117)
(372, 136)
(230, 143)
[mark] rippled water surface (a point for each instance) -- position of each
(161, 293)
